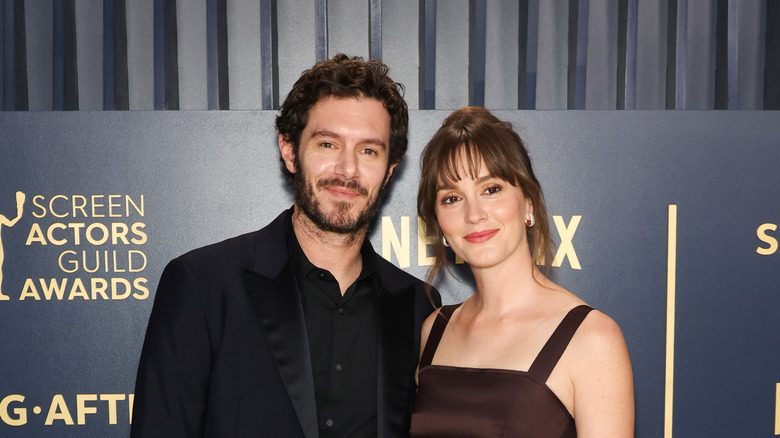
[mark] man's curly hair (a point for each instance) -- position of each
(342, 76)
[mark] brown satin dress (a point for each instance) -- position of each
(477, 402)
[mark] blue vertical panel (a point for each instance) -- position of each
(571, 67)
(700, 87)
(58, 89)
(622, 37)
(452, 55)
(552, 59)
(121, 92)
(2, 54)
(89, 43)
(651, 60)
(631, 55)
(671, 55)
(9, 55)
(108, 54)
(401, 46)
(532, 53)
(427, 54)
(733, 54)
(70, 70)
(348, 23)
(193, 54)
(772, 57)
(602, 54)
(477, 49)
(65, 95)
(722, 67)
(140, 54)
(375, 29)
(269, 71)
(578, 35)
(222, 55)
(159, 55)
(244, 56)
(321, 29)
(751, 24)
(212, 56)
(20, 57)
(296, 34)
(681, 52)
(170, 63)
(39, 38)
(502, 63)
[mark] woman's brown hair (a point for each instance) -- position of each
(476, 135)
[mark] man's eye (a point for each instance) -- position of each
(326, 145)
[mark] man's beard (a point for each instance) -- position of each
(339, 221)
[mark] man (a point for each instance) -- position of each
(299, 329)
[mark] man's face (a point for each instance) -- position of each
(341, 166)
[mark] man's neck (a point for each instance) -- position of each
(337, 253)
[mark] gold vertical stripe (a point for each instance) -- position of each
(777, 409)
(671, 274)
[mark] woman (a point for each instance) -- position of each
(492, 366)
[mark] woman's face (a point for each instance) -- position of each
(483, 218)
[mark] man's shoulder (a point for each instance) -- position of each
(217, 249)
(242, 247)
(235, 250)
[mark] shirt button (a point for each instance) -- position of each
(322, 274)
(329, 422)
(339, 367)
(341, 311)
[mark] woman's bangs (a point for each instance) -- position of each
(460, 162)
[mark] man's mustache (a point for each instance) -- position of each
(349, 185)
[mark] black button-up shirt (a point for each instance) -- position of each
(342, 342)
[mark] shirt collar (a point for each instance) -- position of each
(302, 266)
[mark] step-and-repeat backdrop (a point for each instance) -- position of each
(667, 221)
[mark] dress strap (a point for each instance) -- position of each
(553, 350)
(439, 324)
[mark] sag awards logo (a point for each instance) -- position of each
(87, 247)
(5, 222)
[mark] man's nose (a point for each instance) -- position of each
(347, 164)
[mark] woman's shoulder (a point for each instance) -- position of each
(600, 370)
(427, 324)
(444, 310)
(597, 341)
(597, 335)
(598, 327)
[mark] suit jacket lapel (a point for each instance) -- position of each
(275, 299)
(396, 361)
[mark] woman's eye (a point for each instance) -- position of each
(449, 199)
(493, 189)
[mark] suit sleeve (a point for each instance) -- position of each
(173, 373)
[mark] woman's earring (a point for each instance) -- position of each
(531, 221)
(444, 241)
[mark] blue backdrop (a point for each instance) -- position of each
(667, 221)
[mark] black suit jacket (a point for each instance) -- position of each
(226, 352)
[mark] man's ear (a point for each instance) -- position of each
(389, 173)
(287, 150)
